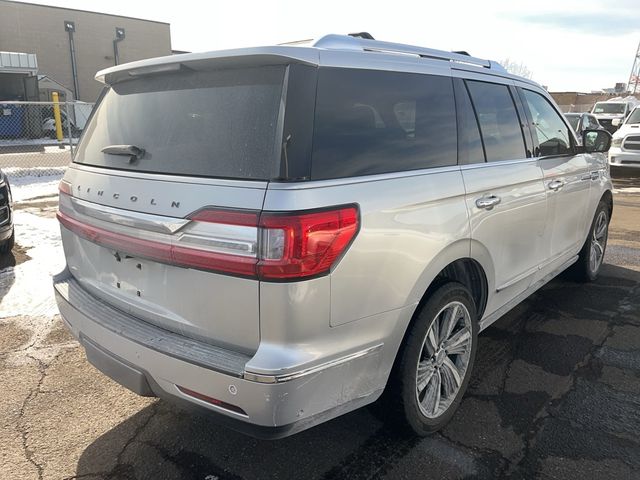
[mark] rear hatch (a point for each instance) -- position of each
(159, 209)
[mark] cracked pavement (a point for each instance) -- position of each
(555, 394)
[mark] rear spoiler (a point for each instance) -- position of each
(236, 58)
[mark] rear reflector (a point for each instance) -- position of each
(274, 246)
(212, 401)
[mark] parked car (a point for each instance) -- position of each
(281, 234)
(582, 121)
(625, 147)
(612, 113)
(7, 235)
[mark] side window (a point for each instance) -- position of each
(498, 119)
(470, 148)
(586, 122)
(553, 134)
(369, 122)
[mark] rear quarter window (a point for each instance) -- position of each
(370, 122)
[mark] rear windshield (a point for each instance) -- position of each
(217, 124)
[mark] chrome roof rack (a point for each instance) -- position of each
(347, 42)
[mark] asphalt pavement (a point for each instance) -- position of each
(555, 394)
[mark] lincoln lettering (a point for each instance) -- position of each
(116, 196)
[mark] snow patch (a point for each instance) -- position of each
(36, 182)
(27, 288)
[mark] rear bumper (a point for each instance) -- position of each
(620, 158)
(153, 362)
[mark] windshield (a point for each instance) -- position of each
(606, 107)
(634, 117)
(573, 120)
(218, 124)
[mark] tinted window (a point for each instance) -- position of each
(553, 134)
(369, 122)
(573, 121)
(634, 117)
(219, 124)
(469, 143)
(499, 122)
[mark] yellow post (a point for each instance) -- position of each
(56, 115)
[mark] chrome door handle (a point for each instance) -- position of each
(556, 185)
(488, 202)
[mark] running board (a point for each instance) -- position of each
(491, 318)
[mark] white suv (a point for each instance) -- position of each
(625, 147)
(281, 234)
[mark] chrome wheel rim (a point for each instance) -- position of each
(444, 359)
(598, 241)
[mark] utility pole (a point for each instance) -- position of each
(634, 78)
(70, 27)
(119, 38)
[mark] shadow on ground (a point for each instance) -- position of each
(544, 375)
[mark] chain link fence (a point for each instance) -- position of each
(33, 142)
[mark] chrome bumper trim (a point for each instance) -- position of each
(262, 378)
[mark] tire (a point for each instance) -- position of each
(587, 267)
(425, 407)
(7, 245)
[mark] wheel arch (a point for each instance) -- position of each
(607, 197)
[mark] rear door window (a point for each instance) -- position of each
(369, 122)
(498, 119)
(216, 124)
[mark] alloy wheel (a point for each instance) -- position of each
(444, 359)
(598, 241)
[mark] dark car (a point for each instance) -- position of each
(7, 235)
(583, 121)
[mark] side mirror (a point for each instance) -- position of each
(616, 122)
(596, 141)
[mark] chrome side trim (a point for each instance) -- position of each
(489, 319)
(154, 223)
(380, 177)
(261, 378)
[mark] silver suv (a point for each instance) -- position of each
(281, 234)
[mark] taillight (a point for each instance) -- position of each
(64, 187)
(304, 244)
(269, 246)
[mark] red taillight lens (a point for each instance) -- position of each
(305, 244)
(266, 246)
(64, 187)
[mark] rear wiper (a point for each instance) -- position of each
(133, 152)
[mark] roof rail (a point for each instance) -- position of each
(346, 42)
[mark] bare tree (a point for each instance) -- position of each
(517, 68)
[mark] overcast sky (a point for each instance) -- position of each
(567, 44)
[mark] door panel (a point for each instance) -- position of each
(512, 231)
(566, 178)
(567, 181)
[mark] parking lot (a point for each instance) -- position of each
(555, 394)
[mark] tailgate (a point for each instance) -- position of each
(128, 240)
